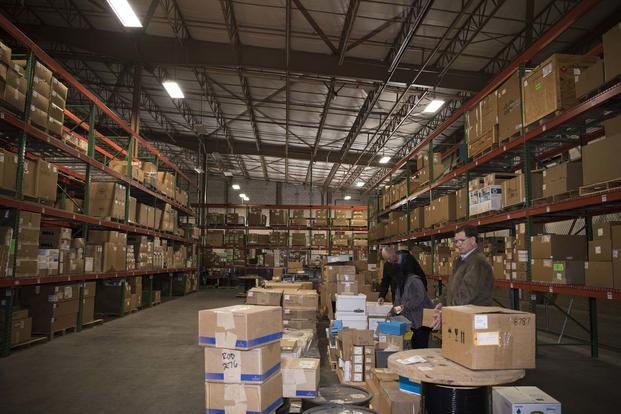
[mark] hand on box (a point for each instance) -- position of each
(437, 317)
(397, 309)
(380, 301)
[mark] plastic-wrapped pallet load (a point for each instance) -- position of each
(242, 358)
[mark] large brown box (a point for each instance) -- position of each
(240, 326)
(599, 274)
(266, 297)
(550, 86)
(46, 180)
(562, 178)
(461, 204)
(612, 59)
(109, 299)
(394, 401)
(509, 108)
(299, 313)
(567, 272)
(488, 337)
(599, 158)
(88, 309)
(300, 299)
(443, 209)
(514, 190)
(590, 79)
(417, 219)
(559, 246)
(215, 238)
(8, 163)
(603, 231)
(244, 397)
(600, 250)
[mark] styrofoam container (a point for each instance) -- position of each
(352, 319)
(351, 303)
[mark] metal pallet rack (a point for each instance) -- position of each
(309, 228)
(574, 127)
(76, 171)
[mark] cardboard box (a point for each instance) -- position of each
(598, 162)
(428, 317)
(301, 299)
(240, 326)
(244, 398)
(603, 231)
(559, 246)
(509, 108)
(393, 342)
(394, 401)
(514, 189)
(299, 313)
(566, 272)
(259, 296)
(347, 288)
(551, 85)
(215, 238)
(234, 366)
(300, 377)
(299, 324)
(590, 79)
(88, 309)
(612, 60)
(600, 250)
(488, 337)
(599, 274)
(523, 400)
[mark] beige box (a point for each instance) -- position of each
(240, 326)
(599, 274)
(559, 246)
(598, 157)
(612, 60)
(488, 337)
(509, 108)
(259, 296)
(551, 85)
(244, 398)
(562, 178)
(300, 377)
(300, 299)
(394, 342)
(299, 313)
(590, 79)
(565, 272)
(235, 366)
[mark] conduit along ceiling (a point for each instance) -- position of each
(307, 92)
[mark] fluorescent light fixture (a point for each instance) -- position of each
(228, 174)
(173, 89)
(384, 159)
(434, 106)
(246, 198)
(198, 170)
(235, 186)
(348, 197)
(360, 184)
(125, 13)
(242, 195)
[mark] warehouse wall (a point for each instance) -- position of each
(263, 192)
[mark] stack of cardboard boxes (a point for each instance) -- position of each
(242, 358)
(300, 309)
(320, 240)
(361, 240)
(298, 239)
(54, 251)
(424, 165)
(278, 217)
(279, 238)
(341, 218)
(114, 297)
(341, 239)
(562, 178)
(256, 217)
(107, 199)
(509, 108)
(359, 218)
(113, 249)
(351, 310)
(514, 189)
(27, 249)
(604, 266)
(321, 217)
(53, 307)
(558, 258)
(387, 396)
(40, 103)
(56, 111)
(21, 325)
(441, 210)
(122, 167)
(598, 162)
(300, 377)
(88, 303)
(15, 84)
(356, 350)
(482, 125)
(297, 218)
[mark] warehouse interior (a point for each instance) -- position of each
(203, 205)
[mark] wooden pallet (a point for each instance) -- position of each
(94, 322)
(484, 152)
(61, 332)
(554, 199)
(30, 342)
(600, 187)
(540, 122)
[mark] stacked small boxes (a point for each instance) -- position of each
(56, 110)
(113, 249)
(341, 218)
(356, 349)
(297, 218)
(278, 217)
(14, 93)
(27, 243)
(242, 358)
(319, 240)
(359, 218)
(558, 258)
(321, 217)
(40, 103)
(390, 335)
(107, 199)
(299, 309)
(341, 239)
(54, 249)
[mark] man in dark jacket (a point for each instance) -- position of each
(472, 280)
(393, 267)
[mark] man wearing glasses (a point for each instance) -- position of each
(472, 280)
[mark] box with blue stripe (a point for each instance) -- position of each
(232, 365)
(221, 398)
(300, 377)
(240, 327)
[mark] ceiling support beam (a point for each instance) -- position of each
(322, 121)
(315, 26)
(350, 17)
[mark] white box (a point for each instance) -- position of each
(358, 367)
(375, 309)
(352, 320)
(358, 359)
(351, 303)
(490, 198)
(523, 400)
(373, 322)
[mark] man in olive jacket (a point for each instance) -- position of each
(472, 280)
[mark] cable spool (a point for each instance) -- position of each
(338, 394)
(339, 409)
(442, 399)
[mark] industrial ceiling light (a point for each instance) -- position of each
(173, 89)
(433, 106)
(228, 174)
(347, 197)
(384, 159)
(246, 198)
(125, 13)
(198, 170)
(360, 184)
(235, 186)
(242, 195)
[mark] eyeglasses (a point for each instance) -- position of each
(460, 241)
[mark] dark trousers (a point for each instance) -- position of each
(420, 337)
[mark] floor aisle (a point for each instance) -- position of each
(149, 362)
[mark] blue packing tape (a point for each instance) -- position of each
(219, 376)
(409, 386)
(241, 343)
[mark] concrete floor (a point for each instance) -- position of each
(148, 362)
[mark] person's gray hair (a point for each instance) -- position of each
(389, 250)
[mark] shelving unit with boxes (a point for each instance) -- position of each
(277, 235)
(540, 150)
(83, 218)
